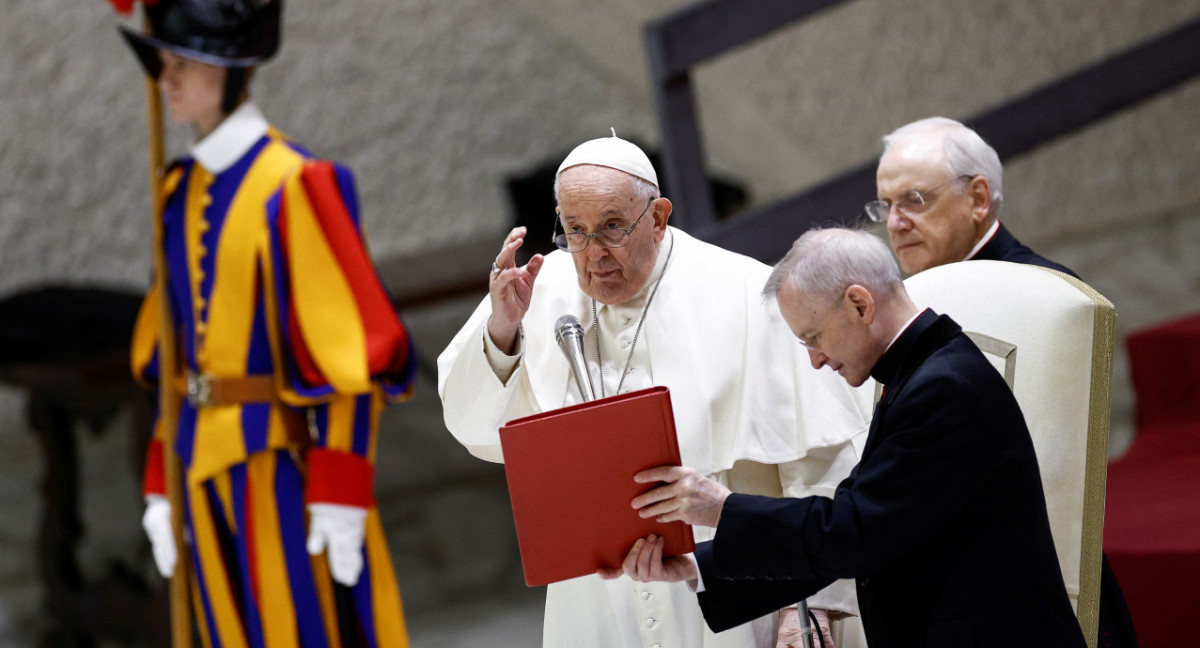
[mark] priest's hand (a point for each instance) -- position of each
(645, 564)
(510, 289)
(687, 495)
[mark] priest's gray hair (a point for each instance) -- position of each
(643, 191)
(823, 263)
(965, 153)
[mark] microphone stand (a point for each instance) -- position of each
(806, 630)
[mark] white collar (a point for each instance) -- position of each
(904, 328)
(984, 239)
(230, 140)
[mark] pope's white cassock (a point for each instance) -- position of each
(742, 389)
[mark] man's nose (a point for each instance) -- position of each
(897, 221)
(817, 358)
(595, 250)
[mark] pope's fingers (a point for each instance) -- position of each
(516, 234)
(502, 277)
(508, 252)
(534, 266)
(629, 566)
(648, 550)
(656, 556)
(645, 556)
(636, 571)
(610, 574)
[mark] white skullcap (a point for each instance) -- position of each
(614, 153)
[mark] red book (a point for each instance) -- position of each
(570, 477)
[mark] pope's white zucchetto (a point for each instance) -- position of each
(614, 153)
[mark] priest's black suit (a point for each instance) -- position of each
(1003, 246)
(942, 523)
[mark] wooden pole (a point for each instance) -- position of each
(168, 400)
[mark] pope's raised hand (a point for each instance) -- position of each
(510, 288)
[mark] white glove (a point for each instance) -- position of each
(341, 529)
(157, 523)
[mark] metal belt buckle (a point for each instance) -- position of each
(199, 389)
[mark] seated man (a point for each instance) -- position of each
(943, 522)
(939, 187)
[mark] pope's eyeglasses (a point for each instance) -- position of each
(611, 236)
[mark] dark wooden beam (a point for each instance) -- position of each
(766, 233)
(1093, 93)
(674, 44)
(683, 155)
(698, 32)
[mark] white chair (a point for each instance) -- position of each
(1051, 336)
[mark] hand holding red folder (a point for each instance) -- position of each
(571, 479)
(645, 564)
(685, 495)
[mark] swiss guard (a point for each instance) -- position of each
(281, 349)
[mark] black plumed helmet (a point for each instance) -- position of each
(229, 33)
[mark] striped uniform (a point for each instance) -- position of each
(270, 278)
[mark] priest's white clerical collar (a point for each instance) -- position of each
(904, 328)
(230, 140)
(984, 240)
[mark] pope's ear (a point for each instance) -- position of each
(662, 211)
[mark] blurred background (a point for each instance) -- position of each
(453, 116)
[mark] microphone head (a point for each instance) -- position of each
(569, 335)
(567, 326)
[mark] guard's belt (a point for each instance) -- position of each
(206, 390)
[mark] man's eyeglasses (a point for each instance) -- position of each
(611, 236)
(910, 204)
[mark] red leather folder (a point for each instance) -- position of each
(570, 477)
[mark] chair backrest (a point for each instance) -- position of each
(1051, 336)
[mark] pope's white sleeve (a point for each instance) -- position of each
(475, 400)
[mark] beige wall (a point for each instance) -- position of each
(434, 104)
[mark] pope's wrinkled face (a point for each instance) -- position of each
(193, 90)
(591, 198)
(938, 232)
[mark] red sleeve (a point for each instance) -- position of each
(153, 478)
(339, 478)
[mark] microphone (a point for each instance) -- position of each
(569, 335)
